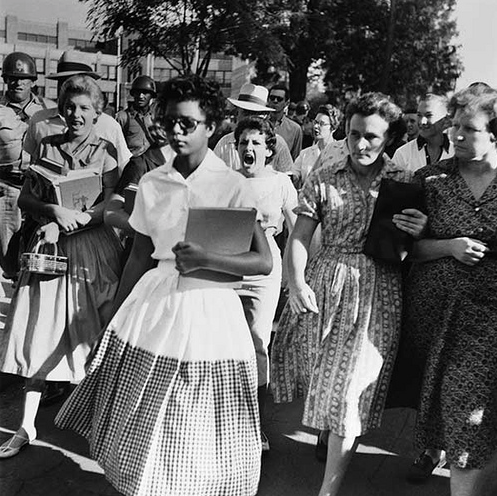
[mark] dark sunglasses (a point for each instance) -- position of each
(276, 98)
(187, 124)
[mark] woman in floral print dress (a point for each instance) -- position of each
(452, 295)
(338, 334)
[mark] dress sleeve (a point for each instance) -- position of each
(310, 198)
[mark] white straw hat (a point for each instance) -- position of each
(252, 97)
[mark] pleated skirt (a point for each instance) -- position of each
(53, 321)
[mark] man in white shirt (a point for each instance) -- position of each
(432, 144)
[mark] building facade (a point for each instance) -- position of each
(46, 42)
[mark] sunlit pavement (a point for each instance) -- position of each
(58, 464)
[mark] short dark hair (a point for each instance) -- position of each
(263, 126)
(334, 113)
(281, 87)
(206, 92)
(381, 104)
(81, 84)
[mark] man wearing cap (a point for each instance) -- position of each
(252, 101)
(17, 106)
(48, 122)
(290, 131)
(137, 119)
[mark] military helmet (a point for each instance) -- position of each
(19, 64)
(144, 83)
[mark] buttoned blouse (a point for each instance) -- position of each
(453, 211)
(164, 197)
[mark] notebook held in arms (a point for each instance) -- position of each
(226, 231)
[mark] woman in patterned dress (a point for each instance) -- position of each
(338, 334)
(54, 321)
(452, 295)
(169, 405)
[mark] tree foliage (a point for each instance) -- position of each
(185, 32)
(401, 47)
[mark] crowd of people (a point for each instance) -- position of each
(172, 379)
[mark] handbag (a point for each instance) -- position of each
(44, 263)
(384, 241)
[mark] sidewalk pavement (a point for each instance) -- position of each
(58, 463)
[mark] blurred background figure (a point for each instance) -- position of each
(289, 130)
(303, 119)
(324, 124)
(411, 120)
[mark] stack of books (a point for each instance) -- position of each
(75, 189)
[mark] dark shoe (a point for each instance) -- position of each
(421, 469)
(321, 450)
(54, 392)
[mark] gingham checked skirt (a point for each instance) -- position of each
(169, 404)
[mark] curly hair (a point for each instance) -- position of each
(474, 101)
(206, 92)
(335, 114)
(378, 103)
(81, 84)
(263, 126)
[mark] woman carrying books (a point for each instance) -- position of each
(169, 405)
(53, 321)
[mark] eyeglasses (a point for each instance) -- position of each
(187, 124)
(321, 123)
(276, 98)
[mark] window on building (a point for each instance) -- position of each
(52, 67)
(112, 72)
(81, 44)
(37, 38)
(40, 66)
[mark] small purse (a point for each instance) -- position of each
(44, 263)
(384, 241)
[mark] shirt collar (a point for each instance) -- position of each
(211, 162)
(421, 142)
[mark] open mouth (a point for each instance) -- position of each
(248, 159)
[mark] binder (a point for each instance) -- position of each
(219, 230)
(384, 241)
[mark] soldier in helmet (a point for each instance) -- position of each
(17, 106)
(137, 119)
